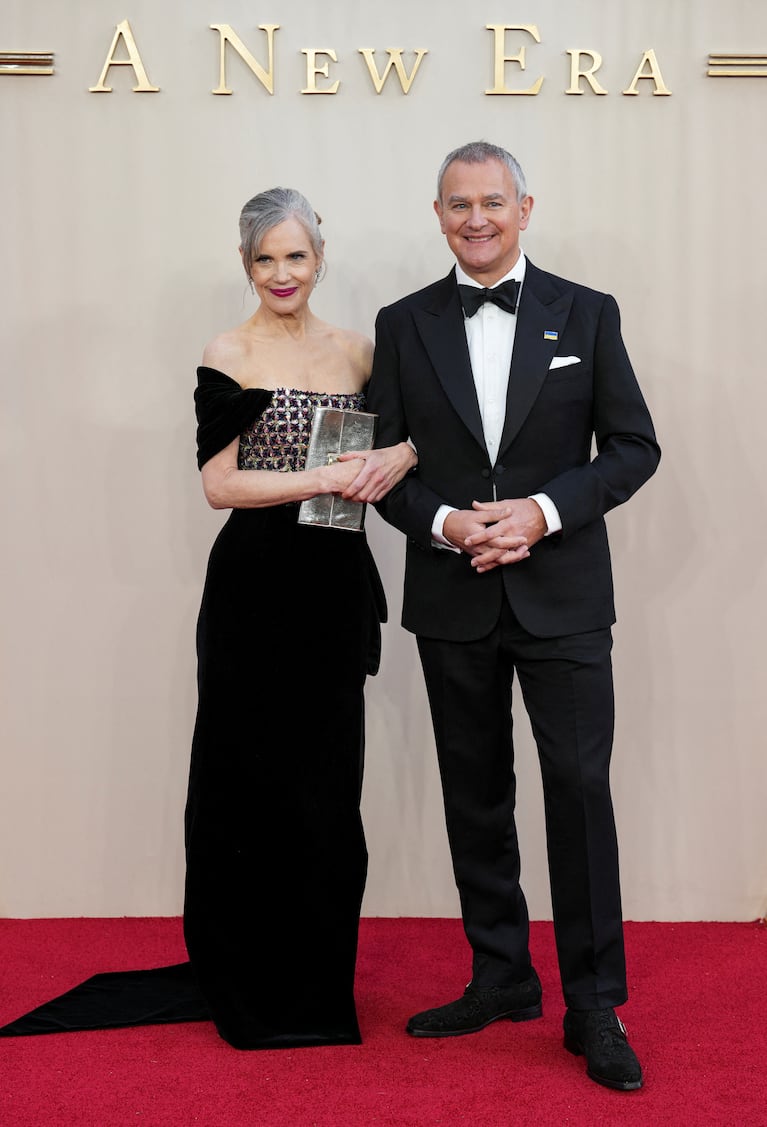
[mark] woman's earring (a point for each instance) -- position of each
(319, 273)
(252, 287)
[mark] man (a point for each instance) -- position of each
(501, 375)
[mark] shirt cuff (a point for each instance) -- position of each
(438, 539)
(550, 512)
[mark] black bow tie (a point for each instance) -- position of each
(504, 296)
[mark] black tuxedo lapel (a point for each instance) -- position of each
(440, 326)
(543, 308)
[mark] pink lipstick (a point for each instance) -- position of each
(284, 293)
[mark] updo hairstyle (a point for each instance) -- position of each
(267, 210)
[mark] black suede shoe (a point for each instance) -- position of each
(478, 1007)
(600, 1036)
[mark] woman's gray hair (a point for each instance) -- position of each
(267, 210)
(479, 152)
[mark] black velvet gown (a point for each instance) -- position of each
(276, 859)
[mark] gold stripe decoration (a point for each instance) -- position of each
(737, 66)
(26, 62)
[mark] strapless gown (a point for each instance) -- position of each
(289, 628)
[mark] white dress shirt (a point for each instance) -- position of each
(490, 336)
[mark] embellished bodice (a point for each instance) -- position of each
(278, 438)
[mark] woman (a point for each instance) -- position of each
(288, 630)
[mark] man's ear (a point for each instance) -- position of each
(438, 210)
(524, 212)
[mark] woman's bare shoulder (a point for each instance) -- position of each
(358, 348)
(226, 352)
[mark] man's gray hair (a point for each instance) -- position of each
(267, 210)
(479, 152)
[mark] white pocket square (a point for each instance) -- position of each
(561, 361)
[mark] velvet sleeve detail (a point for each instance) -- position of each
(224, 410)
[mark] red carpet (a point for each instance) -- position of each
(696, 1018)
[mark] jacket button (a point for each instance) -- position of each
(499, 469)
(486, 473)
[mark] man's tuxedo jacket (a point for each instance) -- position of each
(422, 388)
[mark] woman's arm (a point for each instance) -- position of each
(227, 487)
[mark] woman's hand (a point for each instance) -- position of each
(380, 470)
(337, 477)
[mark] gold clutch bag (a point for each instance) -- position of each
(335, 432)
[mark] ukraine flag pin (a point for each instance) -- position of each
(550, 334)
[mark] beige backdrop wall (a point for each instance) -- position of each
(119, 260)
